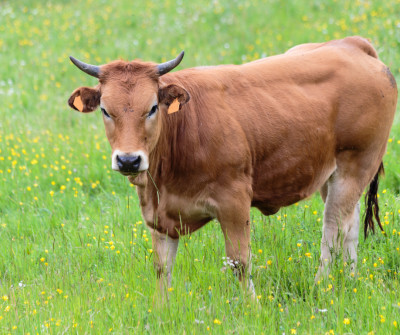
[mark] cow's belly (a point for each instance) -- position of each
(277, 185)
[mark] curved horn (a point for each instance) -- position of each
(168, 66)
(92, 70)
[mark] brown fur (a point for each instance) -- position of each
(265, 134)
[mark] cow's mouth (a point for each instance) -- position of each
(130, 173)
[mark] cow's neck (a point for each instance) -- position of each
(173, 155)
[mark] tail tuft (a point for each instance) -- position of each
(371, 204)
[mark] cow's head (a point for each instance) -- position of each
(131, 99)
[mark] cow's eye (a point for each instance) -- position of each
(105, 113)
(152, 111)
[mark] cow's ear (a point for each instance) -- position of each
(173, 96)
(85, 99)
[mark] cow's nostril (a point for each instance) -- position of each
(128, 163)
(120, 162)
(136, 163)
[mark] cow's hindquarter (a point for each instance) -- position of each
(364, 120)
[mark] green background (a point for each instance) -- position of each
(74, 254)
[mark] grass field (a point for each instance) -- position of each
(75, 257)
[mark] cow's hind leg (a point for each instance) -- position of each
(342, 210)
(340, 228)
(234, 217)
(350, 243)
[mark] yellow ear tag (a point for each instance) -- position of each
(78, 103)
(174, 107)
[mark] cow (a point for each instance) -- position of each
(211, 142)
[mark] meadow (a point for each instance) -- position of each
(75, 257)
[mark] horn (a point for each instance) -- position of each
(168, 66)
(92, 70)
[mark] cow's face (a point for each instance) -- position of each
(131, 99)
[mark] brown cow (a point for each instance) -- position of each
(265, 134)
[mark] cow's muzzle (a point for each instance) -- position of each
(128, 164)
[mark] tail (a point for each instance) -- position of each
(371, 204)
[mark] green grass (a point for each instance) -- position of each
(74, 255)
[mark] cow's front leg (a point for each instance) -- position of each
(164, 248)
(235, 223)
